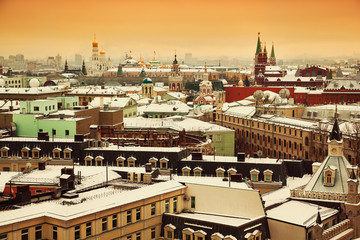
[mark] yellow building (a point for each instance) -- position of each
(118, 214)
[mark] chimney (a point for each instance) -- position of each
(241, 157)
(196, 156)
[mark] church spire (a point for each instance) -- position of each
(335, 133)
(83, 68)
(265, 51)
(272, 51)
(258, 47)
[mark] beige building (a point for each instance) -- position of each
(279, 135)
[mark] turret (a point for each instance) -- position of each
(335, 146)
(272, 56)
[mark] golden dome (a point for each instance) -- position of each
(102, 52)
(94, 43)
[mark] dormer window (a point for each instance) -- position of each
(99, 160)
(120, 161)
(67, 153)
(88, 160)
(164, 163)
(268, 175)
(329, 176)
(25, 152)
(198, 171)
(5, 152)
(56, 153)
(220, 172)
(36, 152)
(254, 175)
(186, 171)
(131, 161)
(153, 161)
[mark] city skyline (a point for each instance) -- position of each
(204, 28)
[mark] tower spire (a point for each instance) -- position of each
(265, 51)
(335, 133)
(272, 51)
(258, 47)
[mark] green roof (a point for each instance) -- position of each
(147, 80)
(342, 174)
(258, 48)
(272, 52)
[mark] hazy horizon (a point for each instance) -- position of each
(304, 30)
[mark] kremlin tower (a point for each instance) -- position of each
(261, 61)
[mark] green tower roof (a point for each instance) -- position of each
(258, 48)
(147, 80)
(272, 51)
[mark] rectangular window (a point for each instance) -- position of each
(3, 237)
(169, 234)
(267, 178)
(45, 108)
(88, 229)
(192, 202)
(104, 224)
(153, 233)
(36, 109)
(129, 237)
(138, 236)
(67, 133)
(25, 234)
(114, 221)
(77, 232)
(138, 214)
(167, 203)
(128, 216)
(187, 237)
(55, 233)
(175, 205)
(153, 209)
(53, 131)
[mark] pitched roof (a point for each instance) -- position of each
(335, 133)
(341, 164)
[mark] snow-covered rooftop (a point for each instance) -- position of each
(178, 123)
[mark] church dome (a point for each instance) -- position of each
(102, 52)
(95, 43)
(147, 81)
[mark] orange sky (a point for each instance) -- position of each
(41, 28)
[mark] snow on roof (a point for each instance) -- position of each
(6, 177)
(116, 102)
(283, 193)
(112, 147)
(177, 122)
(68, 212)
(169, 107)
(292, 78)
(266, 160)
(230, 237)
(34, 90)
(212, 181)
(272, 68)
(220, 219)
(170, 226)
(178, 95)
(242, 111)
(111, 91)
(217, 235)
(348, 84)
(300, 213)
(186, 168)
